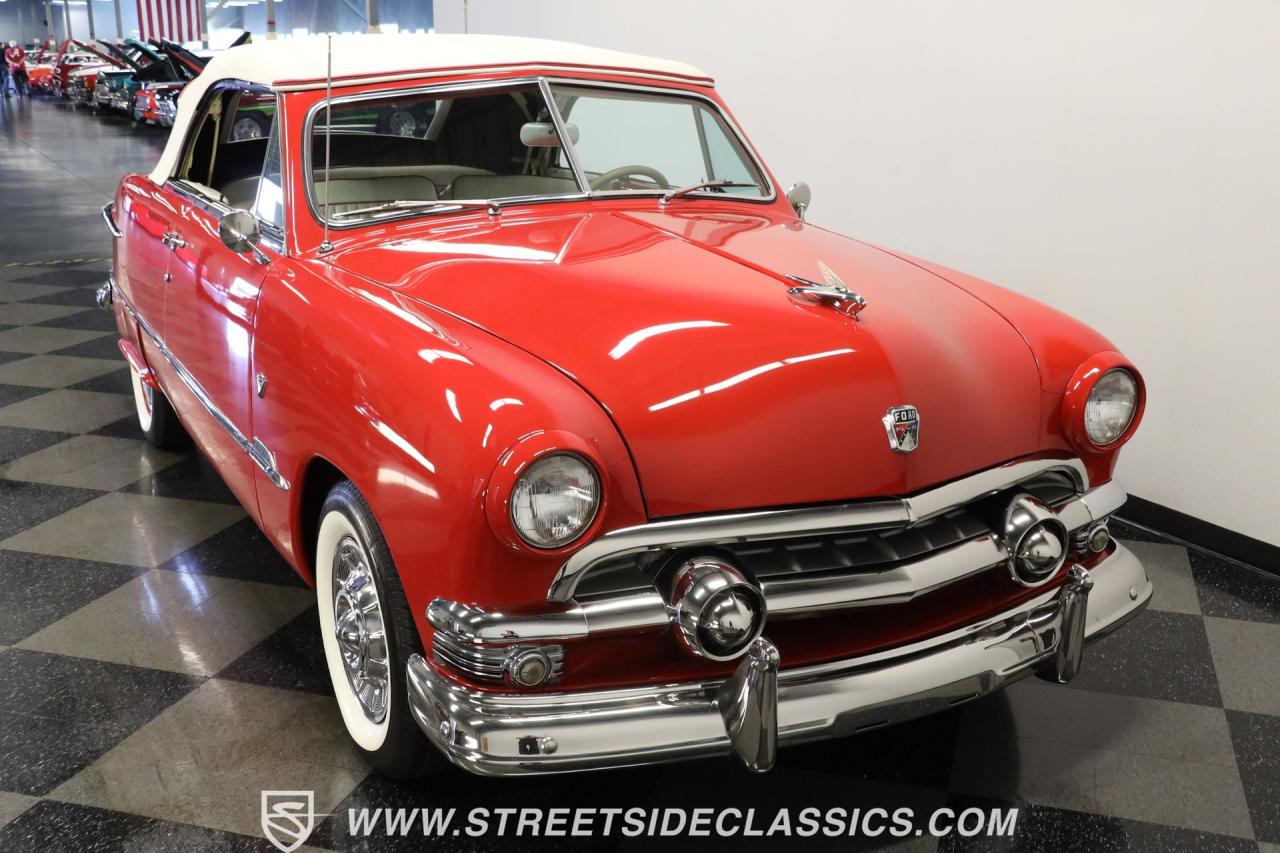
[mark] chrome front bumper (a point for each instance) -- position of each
(508, 734)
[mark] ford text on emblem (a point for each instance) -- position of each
(902, 423)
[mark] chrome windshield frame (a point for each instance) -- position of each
(543, 83)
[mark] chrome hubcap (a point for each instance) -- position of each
(358, 625)
(403, 124)
(245, 128)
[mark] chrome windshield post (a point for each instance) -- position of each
(566, 144)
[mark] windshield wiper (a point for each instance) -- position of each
(719, 183)
(412, 204)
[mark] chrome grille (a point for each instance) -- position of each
(842, 552)
(488, 663)
(828, 554)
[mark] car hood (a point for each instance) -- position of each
(730, 391)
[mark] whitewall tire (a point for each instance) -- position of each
(156, 417)
(368, 634)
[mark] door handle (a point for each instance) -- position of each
(173, 240)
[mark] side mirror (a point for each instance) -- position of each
(800, 196)
(239, 232)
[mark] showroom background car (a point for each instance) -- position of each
(596, 453)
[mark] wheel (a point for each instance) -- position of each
(368, 634)
(400, 122)
(246, 127)
(156, 417)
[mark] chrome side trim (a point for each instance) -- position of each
(257, 451)
(774, 524)
(487, 732)
(108, 216)
(470, 624)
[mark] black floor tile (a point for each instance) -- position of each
(1233, 591)
(54, 826)
(123, 428)
(75, 296)
(241, 551)
(68, 276)
(39, 753)
(37, 590)
(291, 659)
(87, 691)
(193, 479)
(116, 382)
(94, 319)
(1042, 828)
(1123, 530)
(14, 393)
(918, 753)
(1159, 655)
(16, 442)
(1256, 738)
(104, 347)
(59, 713)
(12, 356)
(24, 505)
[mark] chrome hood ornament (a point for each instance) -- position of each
(832, 288)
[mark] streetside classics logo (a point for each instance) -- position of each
(288, 817)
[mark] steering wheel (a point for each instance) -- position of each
(623, 171)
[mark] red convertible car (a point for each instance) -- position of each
(595, 451)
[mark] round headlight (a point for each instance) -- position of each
(555, 500)
(1111, 406)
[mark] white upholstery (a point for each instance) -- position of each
(500, 186)
(354, 187)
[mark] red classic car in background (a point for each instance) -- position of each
(39, 67)
(595, 451)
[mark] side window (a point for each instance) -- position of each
(269, 207)
(227, 147)
(197, 161)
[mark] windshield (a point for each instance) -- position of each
(649, 142)
(414, 153)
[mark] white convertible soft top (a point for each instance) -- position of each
(287, 65)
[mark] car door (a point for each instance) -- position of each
(211, 299)
(146, 221)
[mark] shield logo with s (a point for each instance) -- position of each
(902, 423)
(288, 817)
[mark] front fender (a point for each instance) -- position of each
(416, 408)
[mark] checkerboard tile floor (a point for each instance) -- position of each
(160, 664)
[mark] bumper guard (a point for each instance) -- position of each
(758, 707)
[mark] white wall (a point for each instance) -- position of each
(1120, 161)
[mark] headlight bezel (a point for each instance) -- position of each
(1079, 391)
(512, 465)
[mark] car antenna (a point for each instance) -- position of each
(325, 245)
